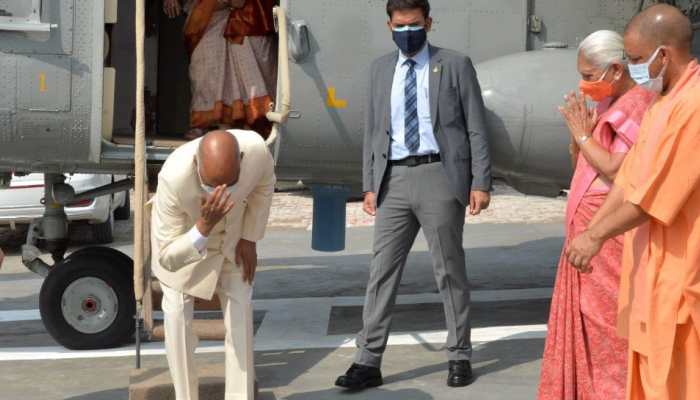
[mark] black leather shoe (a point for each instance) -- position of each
(360, 377)
(460, 374)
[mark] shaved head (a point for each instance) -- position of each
(219, 159)
(662, 25)
(661, 37)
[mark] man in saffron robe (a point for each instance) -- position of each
(233, 63)
(656, 200)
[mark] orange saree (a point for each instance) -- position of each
(233, 64)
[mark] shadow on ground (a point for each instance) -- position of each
(374, 394)
(114, 394)
(527, 265)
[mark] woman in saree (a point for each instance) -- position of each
(233, 63)
(583, 358)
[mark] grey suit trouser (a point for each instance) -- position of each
(411, 198)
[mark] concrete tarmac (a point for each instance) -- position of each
(310, 306)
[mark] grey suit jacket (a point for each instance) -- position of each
(458, 116)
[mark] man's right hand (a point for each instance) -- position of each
(172, 8)
(370, 204)
(214, 208)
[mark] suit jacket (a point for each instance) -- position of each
(176, 207)
(458, 116)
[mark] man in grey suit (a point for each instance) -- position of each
(426, 158)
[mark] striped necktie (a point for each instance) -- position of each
(412, 133)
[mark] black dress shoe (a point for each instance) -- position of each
(460, 374)
(360, 377)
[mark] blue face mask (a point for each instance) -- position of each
(642, 75)
(410, 39)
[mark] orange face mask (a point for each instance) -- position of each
(599, 90)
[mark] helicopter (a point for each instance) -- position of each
(70, 102)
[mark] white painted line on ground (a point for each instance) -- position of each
(480, 336)
(302, 304)
(300, 324)
(19, 315)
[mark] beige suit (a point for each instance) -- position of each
(185, 272)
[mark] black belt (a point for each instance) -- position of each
(414, 161)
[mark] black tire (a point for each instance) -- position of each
(98, 267)
(123, 213)
(125, 263)
(103, 233)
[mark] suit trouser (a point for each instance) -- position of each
(181, 342)
(415, 197)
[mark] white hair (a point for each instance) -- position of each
(603, 48)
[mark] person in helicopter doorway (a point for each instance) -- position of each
(233, 63)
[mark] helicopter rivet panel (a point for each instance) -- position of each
(44, 83)
(8, 84)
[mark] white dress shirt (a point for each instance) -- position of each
(199, 241)
(428, 144)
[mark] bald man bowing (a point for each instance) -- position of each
(211, 207)
(657, 199)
